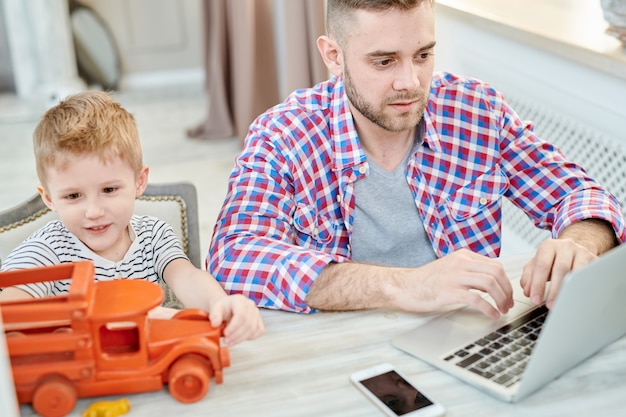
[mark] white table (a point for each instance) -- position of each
(301, 367)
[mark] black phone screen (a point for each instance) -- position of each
(396, 393)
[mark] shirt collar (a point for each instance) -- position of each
(345, 140)
(347, 149)
(431, 136)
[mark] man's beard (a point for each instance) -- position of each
(401, 123)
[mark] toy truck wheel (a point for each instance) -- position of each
(189, 379)
(54, 397)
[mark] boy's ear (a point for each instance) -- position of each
(45, 197)
(142, 180)
(331, 54)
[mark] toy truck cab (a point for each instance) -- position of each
(119, 327)
(98, 340)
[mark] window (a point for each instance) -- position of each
(119, 337)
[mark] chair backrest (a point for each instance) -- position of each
(174, 203)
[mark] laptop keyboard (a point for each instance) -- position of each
(501, 356)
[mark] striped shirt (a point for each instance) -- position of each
(290, 205)
(154, 245)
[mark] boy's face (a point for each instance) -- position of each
(95, 200)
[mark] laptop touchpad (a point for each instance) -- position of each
(470, 317)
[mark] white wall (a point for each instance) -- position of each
(595, 98)
(160, 41)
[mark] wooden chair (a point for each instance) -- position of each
(174, 203)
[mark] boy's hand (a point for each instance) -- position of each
(241, 314)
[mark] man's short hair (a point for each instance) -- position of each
(339, 13)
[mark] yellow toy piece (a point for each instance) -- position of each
(108, 408)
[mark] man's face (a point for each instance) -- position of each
(388, 65)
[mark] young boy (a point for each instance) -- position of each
(89, 164)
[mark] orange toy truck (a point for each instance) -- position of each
(98, 340)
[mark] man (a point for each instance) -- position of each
(382, 187)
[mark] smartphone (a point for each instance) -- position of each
(391, 391)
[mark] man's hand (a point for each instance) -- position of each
(460, 277)
(554, 259)
(579, 244)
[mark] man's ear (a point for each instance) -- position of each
(331, 54)
(45, 197)
(142, 180)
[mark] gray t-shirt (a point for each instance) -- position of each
(388, 229)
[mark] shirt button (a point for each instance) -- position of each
(362, 169)
(338, 198)
(482, 201)
(315, 231)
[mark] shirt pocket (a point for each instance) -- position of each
(312, 230)
(478, 195)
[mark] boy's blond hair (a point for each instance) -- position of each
(87, 123)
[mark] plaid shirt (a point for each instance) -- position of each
(290, 205)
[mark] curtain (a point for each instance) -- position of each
(256, 53)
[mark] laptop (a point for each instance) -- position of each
(515, 355)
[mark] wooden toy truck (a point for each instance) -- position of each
(98, 340)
